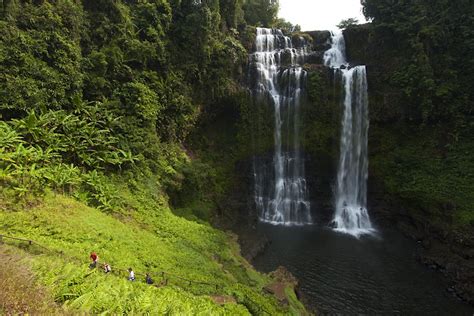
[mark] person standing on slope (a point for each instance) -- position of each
(131, 275)
(95, 258)
(148, 279)
(107, 268)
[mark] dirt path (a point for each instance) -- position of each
(221, 300)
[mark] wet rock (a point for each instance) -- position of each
(321, 40)
(299, 41)
(276, 289)
(281, 274)
(285, 58)
(252, 243)
(433, 267)
(314, 67)
(283, 279)
(314, 58)
(426, 243)
(358, 47)
(449, 206)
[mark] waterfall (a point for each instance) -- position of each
(280, 186)
(351, 215)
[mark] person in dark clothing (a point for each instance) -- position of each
(148, 279)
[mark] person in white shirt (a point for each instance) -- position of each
(107, 268)
(131, 275)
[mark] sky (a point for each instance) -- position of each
(320, 14)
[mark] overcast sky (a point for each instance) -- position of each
(320, 14)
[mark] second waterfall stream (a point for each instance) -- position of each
(351, 215)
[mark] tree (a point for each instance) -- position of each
(286, 26)
(261, 12)
(344, 24)
(434, 40)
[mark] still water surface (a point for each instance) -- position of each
(371, 275)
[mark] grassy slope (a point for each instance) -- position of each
(146, 241)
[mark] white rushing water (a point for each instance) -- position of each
(351, 215)
(280, 190)
(335, 57)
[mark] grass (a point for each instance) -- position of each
(148, 241)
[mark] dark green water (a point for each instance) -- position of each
(373, 275)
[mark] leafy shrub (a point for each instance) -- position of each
(344, 24)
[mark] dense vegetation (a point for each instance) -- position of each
(422, 103)
(104, 86)
(91, 88)
(434, 41)
(97, 99)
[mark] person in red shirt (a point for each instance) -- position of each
(94, 259)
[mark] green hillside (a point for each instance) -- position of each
(152, 242)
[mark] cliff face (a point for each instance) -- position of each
(380, 57)
(419, 176)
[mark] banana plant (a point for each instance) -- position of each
(63, 177)
(102, 194)
(9, 138)
(6, 174)
(28, 125)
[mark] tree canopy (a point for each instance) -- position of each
(435, 40)
(102, 85)
(344, 24)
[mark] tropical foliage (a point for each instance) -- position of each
(91, 88)
(149, 242)
(421, 105)
(434, 40)
(97, 99)
(344, 24)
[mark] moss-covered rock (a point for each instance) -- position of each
(321, 40)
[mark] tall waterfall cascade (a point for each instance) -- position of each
(351, 215)
(280, 186)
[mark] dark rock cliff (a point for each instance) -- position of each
(396, 142)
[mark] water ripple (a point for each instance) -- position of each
(340, 274)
